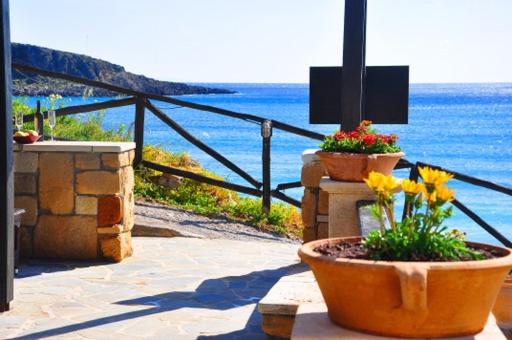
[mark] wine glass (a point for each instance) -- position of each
(18, 118)
(52, 121)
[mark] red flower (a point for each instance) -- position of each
(366, 123)
(340, 135)
(369, 139)
(393, 137)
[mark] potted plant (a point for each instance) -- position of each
(351, 156)
(414, 278)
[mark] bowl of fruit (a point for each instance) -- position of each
(27, 137)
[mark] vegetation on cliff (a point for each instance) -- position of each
(86, 67)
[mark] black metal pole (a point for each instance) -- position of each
(354, 49)
(139, 130)
(6, 165)
(266, 133)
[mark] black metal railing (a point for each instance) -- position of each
(262, 189)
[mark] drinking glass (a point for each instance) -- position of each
(18, 119)
(52, 121)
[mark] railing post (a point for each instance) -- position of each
(266, 133)
(413, 175)
(139, 129)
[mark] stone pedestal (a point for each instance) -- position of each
(312, 322)
(343, 212)
(78, 198)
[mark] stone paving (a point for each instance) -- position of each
(172, 288)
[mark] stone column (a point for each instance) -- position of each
(343, 212)
(78, 198)
(315, 202)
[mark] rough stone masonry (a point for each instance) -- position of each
(78, 198)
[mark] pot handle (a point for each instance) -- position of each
(413, 286)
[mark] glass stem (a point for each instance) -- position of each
(51, 133)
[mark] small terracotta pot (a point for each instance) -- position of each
(502, 309)
(408, 299)
(355, 167)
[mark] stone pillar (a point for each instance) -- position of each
(78, 198)
(315, 202)
(343, 212)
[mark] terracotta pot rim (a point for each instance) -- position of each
(306, 253)
(360, 155)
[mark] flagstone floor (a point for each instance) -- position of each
(177, 288)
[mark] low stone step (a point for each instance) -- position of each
(147, 227)
(279, 307)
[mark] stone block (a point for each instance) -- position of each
(26, 241)
(309, 234)
(323, 230)
(56, 175)
(312, 173)
(280, 326)
(66, 237)
(308, 207)
(98, 183)
(115, 229)
(87, 161)
(131, 156)
(26, 162)
(115, 160)
(86, 205)
(25, 183)
(110, 210)
(29, 203)
(116, 248)
(129, 215)
(323, 202)
(127, 179)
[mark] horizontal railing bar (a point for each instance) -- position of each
(285, 198)
(477, 219)
(202, 179)
(297, 131)
(289, 185)
(87, 108)
(183, 103)
(472, 180)
(185, 134)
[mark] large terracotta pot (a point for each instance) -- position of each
(502, 309)
(354, 167)
(408, 299)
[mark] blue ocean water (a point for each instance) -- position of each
(463, 127)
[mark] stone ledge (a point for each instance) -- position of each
(312, 322)
(65, 146)
(344, 188)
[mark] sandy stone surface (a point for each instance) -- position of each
(186, 223)
(171, 288)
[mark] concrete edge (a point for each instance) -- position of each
(146, 230)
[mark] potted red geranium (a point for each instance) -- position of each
(351, 156)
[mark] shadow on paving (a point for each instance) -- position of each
(32, 267)
(215, 294)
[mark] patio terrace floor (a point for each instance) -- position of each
(172, 288)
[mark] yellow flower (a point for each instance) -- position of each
(433, 176)
(444, 194)
(412, 187)
(381, 183)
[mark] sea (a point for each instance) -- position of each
(463, 127)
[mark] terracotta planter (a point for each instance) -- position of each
(408, 299)
(354, 167)
(502, 309)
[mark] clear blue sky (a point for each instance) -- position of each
(273, 40)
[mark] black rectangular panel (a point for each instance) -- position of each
(386, 95)
(325, 95)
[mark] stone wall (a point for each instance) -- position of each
(315, 202)
(78, 198)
